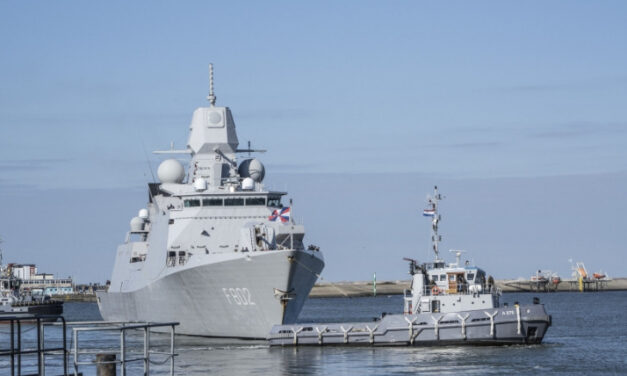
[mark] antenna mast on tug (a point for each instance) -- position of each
(432, 211)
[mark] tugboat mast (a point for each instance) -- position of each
(432, 211)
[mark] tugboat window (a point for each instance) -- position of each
(212, 202)
(256, 201)
(233, 202)
(192, 203)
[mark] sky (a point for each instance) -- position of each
(515, 109)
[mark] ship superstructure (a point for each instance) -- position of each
(213, 249)
(439, 286)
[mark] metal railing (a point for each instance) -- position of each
(15, 350)
(122, 359)
(20, 324)
(463, 289)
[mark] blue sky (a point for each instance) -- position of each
(525, 97)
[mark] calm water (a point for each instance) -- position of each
(589, 336)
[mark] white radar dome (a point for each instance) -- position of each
(171, 171)
(137, 224)
(248, 184)
(143, 213)
(252, 168)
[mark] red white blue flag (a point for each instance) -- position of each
(282, 215)
(428, 212)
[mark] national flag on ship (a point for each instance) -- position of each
(282, 215)
(428, 212)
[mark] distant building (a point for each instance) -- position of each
(42, 283)
(22, 271)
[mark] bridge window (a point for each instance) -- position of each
(275, 202)
(256, 201)
(233, 202)
(192, 203)
(212, 202)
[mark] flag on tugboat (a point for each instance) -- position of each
(282, 215)
(428, 212)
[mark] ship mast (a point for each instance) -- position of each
(432, 211)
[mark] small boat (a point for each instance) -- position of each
(448, 304)
(13, 302)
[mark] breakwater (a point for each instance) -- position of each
(354, 289)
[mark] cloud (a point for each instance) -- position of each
(287, 167)
(31, 164)
(584, 84)
(276, 114)
(473, 145)
(581, 128)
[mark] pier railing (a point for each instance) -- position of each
(16, 350)
(122, 358)
(27, 350)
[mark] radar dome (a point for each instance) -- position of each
(143, 213)
(248, 184)
(171, 171)
(137, 224)
(252, 168)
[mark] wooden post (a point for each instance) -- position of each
(105, 369)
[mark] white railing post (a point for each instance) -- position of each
(172, 351)
(122, 351)
(146, 350)
(75, 335)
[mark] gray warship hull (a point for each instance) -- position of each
(497, 326)
(240, 298)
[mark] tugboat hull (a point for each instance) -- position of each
(498, 326)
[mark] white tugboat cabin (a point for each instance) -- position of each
(440, 287)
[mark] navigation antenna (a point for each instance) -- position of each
(211, 97)
(432, 211)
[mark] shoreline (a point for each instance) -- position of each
(365, 288)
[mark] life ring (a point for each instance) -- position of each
(435, 290)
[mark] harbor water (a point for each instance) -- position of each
(588, 336)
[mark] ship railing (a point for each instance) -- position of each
(121, 358)
(461, 289)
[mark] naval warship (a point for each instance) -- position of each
(448, 304)
(213, 249)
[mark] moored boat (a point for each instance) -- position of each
(13, 302)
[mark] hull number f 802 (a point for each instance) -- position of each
(239, 296)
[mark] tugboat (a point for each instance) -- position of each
(12, 302)
(448, 304)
